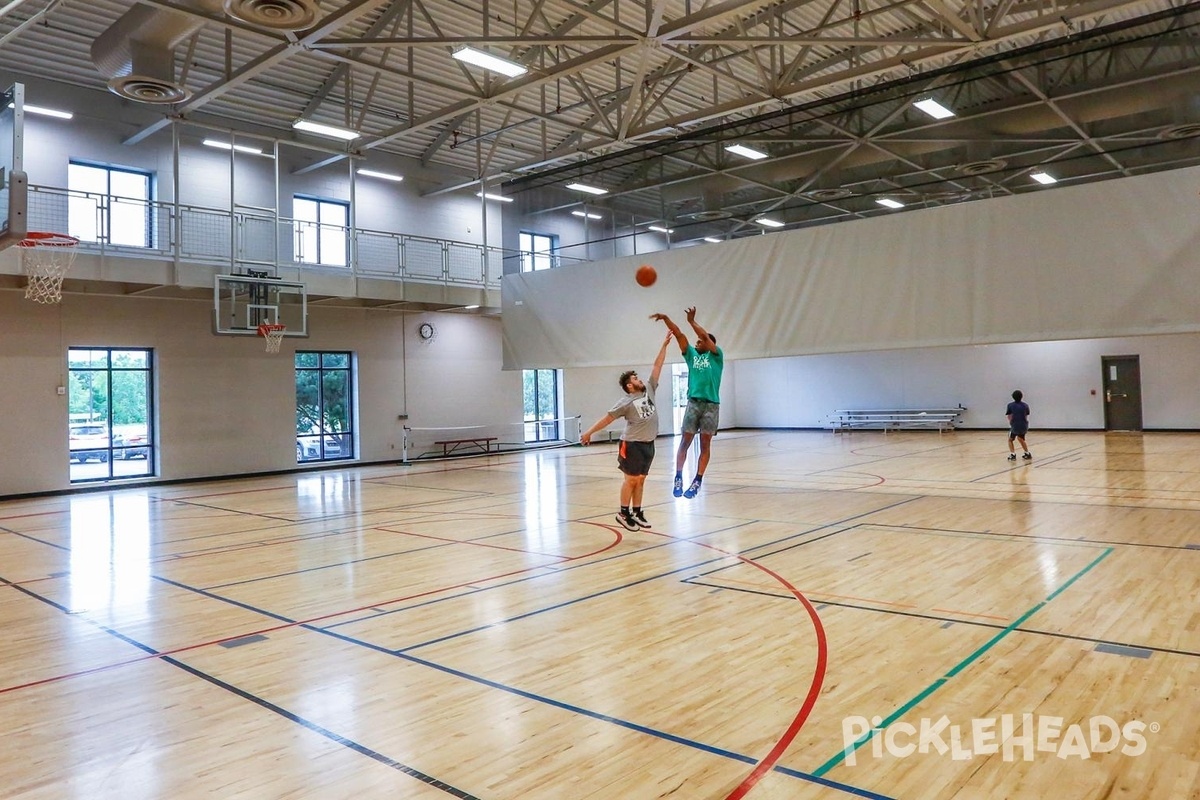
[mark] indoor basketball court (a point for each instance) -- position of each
(862, 615)
(305, 306)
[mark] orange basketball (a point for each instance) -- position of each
(646, 276)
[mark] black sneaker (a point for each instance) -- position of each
(1027, 456)
(626, 519)
(1012, 456)
(678, 488)
(641, 520)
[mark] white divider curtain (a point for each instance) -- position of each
(1116, 258)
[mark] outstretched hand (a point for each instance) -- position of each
(659, 317)
(691, 314)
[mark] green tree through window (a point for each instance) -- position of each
(324, 406)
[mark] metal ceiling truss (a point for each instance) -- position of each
(641, 96)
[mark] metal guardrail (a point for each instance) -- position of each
(258, 237)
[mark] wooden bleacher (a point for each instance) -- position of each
(451, 446)
(891, 419)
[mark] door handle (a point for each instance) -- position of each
(1108, 395)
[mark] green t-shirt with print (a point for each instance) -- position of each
(704, 373)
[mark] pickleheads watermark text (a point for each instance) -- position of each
(1015, 737)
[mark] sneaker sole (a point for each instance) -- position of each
(628, 525)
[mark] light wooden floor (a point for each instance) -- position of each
(483, 628)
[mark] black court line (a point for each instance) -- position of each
(956, 621)
(624, 723)
(1042, 538)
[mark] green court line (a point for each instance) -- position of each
(959, 667)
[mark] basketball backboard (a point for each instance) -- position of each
(243, 302)
(14, 186)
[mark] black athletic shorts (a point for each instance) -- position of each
(634, 458)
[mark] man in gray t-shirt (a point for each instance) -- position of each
(636, 451)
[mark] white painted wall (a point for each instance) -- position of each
(1058, 379)
(103, 122)
(227, 407)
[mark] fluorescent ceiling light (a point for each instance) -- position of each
(712, 239)
(490, 196)
(387, 176)
(889, 202)
(471, 308)
(933, 108)
(583, 187)
(745, 152)
(1043, 178)
(325, 130)
(770, 223)
(241, 148)
(45, 112)
(660, 229)
(489, 62)
(586, 215)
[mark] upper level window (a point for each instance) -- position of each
(538, 251)
(109, 204)
(322, 228)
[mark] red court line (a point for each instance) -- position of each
(619, 537)
(814, 690)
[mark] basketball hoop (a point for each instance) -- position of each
(273, 334)
(45, 260)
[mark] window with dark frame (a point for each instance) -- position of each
(324, 406)
(110, 398)
(322, 231)
(538, 251)
(110, 205)
(541, 405)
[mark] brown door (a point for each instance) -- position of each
(1122, 393)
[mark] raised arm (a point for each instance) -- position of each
(674, 329)
(691, 318)
(658, 362)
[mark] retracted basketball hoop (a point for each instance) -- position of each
(273, 334)
(45, 259)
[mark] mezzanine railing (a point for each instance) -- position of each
(249, 236)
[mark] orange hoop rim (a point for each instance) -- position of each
(270, 327)
(44, 239)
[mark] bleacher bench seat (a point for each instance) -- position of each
(887, 419)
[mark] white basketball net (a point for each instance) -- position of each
(45, 259)
(274, 336)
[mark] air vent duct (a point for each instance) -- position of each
(277, 15)
(825, 195)
(1180, 131)
(708, 216)
(137, 52)
(981, 167)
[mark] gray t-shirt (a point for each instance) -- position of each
(640, 415)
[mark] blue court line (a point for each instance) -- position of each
(956, 669)
(557, 606)
(596, 715)
(336, 738)
(547, 571)
(492, 684)
(670, 542)
(263, 702)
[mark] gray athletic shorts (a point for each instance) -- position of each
(635, 458)
(701, 416)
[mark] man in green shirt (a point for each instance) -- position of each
(705, 363)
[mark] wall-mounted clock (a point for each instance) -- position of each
(426, 331)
